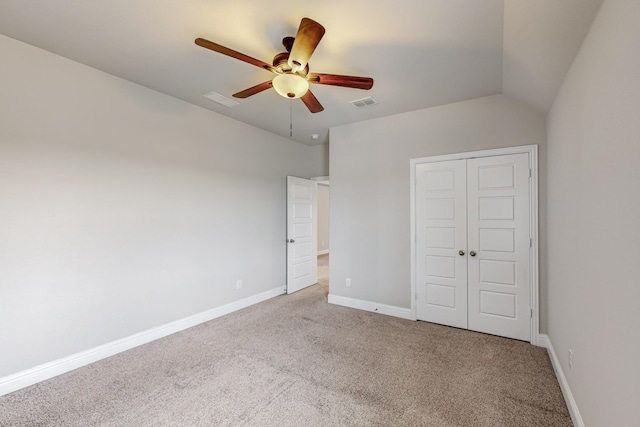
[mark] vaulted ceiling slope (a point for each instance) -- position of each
(421, 53)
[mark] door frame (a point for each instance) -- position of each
(532, 150)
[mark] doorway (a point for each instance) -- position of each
(307, 233)
(323, 232)
(302, 229)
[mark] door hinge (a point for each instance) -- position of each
(530, 242)
(531, 313)
(529, 172)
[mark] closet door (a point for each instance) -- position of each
(499, 245)
(441, 237)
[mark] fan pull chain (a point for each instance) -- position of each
(290, 119)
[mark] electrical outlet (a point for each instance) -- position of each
(239, 284)
(570, 360)
(348, 282)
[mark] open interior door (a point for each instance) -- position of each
(302, 231)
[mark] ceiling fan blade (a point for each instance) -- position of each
(356, 82)
(312, 102)
(307, 38)
(253, 90)
(234, 54)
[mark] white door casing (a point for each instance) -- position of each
(302, 225)
(501, 230)
(498, 233)
(441, 233)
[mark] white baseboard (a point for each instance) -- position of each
(48, 370)
(545, 341)
(390, 310)
(324, 252)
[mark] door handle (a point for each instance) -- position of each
(472, 253)
(460, 253)
(291, 241)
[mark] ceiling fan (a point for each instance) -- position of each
(292, 67)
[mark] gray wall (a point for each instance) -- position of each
(124, 209)
(369, 168)
(594, 219)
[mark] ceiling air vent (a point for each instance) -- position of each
(364, 102)
(216, 97)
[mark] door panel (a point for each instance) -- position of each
(497, 304)
(499, 272)
(495, 240)
(494, 208)
(498, 231)
(302, 208)
(440, 233)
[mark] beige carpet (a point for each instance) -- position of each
(297, 361)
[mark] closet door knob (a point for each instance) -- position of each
(472, 253)
(460, 253)
(291, 241)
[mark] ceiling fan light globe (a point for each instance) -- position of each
(290, 85)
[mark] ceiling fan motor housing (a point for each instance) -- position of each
(281, 63)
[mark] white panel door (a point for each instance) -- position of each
(498, 243)
(302, 230)
(441, 240)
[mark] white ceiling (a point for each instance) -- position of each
(421, 53)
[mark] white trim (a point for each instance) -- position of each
(321, 180)
(532, 150)
(543, 341)
(473, 154)
(562, 380)
(389, 310)
(412, 238)
(533, 252)
(48, 370)
(324, 252)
